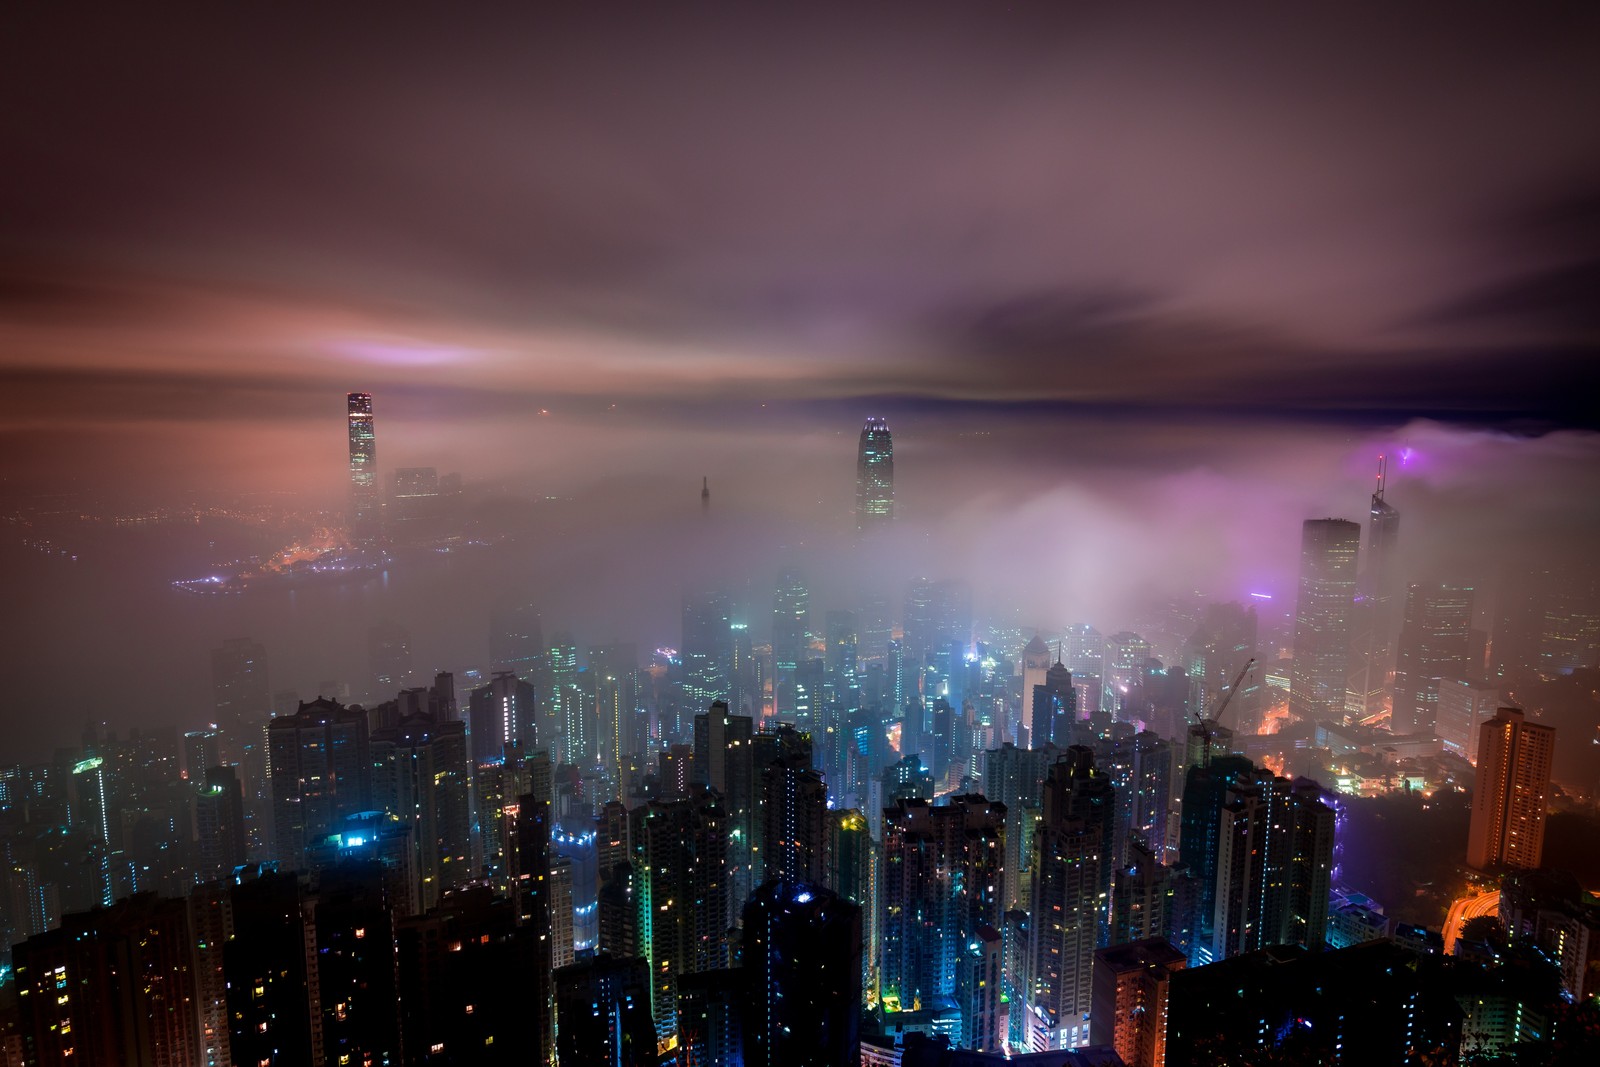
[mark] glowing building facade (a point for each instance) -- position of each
(364, 493)
(874, 477)
(1513, 787)
(1322, 617)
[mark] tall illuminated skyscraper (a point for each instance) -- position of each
(1377, 618)
(1513, 788)
(1435, 640)
(1322, 614)
(364, 498)
(1071, 890)
(791, 638)
(707, 648)
(874, 477)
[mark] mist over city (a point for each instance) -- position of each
(1015, 522)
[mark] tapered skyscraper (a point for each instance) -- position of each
(1322, 619)
(874, 477)
(1377, 613)
(363, 468)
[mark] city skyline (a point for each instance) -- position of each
(714, 535)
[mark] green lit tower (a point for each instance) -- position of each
(874, 477)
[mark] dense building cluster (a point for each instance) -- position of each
(879, 837)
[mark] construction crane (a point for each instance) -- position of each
(1208, 726)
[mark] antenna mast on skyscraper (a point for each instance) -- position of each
(1383, 473)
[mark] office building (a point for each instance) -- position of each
(802, 963)
(707, 649)
(201, 750)
(241, 691)
(1036, 661)
(365, 517)
(1435, 640)
(389, 657)
(791, 641)
(1465, 704)
(1321, 670)
(1053, 709)
(516, 639)
(1377, 617)
(1218, 649)
(1131, 987)
(874, 477)
(1511, 793)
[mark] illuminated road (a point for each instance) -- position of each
(1468, 908)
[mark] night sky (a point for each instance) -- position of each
(1127, 279)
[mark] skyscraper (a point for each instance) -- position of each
(1205, 791)
(1513, 786)
(389, 657)
(802, 962)
(1377, 619)
(682, 847)
(791, 638)
(320, 774)
(1130, 999)
(421, 774)
(516, 639)
(707, 649)
(241, 692)
(1036, 659)
(1015, 777)
(364, 496)
(1274, 868)
(499, 714)
(943, 879)
(603, 1013)
(1434, 641)
(109, 987)
(874, 477)
(794, 821)
(1053, 708)
(1071, 892)
(1321, 670)
(219, 822)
